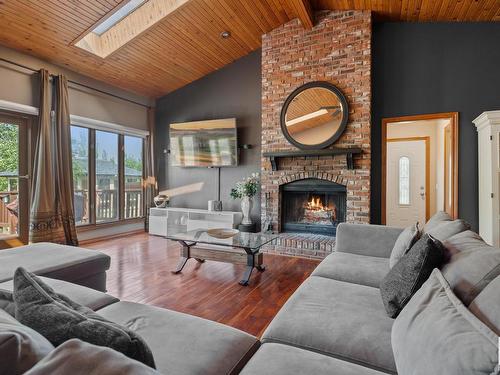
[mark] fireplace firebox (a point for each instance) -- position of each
(312, 205)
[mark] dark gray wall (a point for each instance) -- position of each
(441, 67)
(233, 91)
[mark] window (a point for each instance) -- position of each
(404, 180)
(14, 177)
(80, 158)
(107, 176)
(116, 17)
(133, 176)
(9, 166)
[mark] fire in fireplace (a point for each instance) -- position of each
(312, 205)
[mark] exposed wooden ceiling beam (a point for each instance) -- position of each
(304, 12)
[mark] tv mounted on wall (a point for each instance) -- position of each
(211, 143)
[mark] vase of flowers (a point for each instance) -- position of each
(245, 190)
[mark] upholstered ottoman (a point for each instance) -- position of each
(73, 264)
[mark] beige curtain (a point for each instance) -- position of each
(52, 214)
(149, 168)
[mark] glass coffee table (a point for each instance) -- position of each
(242, 248)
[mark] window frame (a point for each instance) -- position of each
(121, 180)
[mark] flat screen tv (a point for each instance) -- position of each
(211, 143)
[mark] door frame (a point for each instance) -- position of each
(453, 116)
(27, 139)
(427, 141)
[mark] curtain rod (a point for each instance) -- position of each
(77, 83)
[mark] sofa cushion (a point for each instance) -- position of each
(353, 268)
(438, 218)
(469, 272)
(404, 242)
(59, 319)
(364, 239)
(77, 357)
(278, 359)
(62, 262)
(436, 334)
(20, 346)
(446, 229)
(464, 242)
(185, 344)
(486, 306)
(408, 275)
(88, 297)
(343, 320)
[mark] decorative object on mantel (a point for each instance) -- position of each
(161, 201)
(245, 190)
(314, 116)
(348, 152)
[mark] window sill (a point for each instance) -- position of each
(109, 224)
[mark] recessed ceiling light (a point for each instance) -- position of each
(225, 34)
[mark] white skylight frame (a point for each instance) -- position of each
(116, 17)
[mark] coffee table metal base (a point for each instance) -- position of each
(251, 260)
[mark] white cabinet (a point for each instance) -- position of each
(488, 130)
(162, 220)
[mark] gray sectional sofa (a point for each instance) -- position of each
(335, 323)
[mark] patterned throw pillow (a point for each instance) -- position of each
(408, 275)
(59, 319)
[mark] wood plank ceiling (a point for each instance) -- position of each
(186, 45)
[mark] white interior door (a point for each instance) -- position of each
(406, 182)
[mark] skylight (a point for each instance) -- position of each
(116, 17)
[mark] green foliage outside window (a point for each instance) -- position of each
(9, 152)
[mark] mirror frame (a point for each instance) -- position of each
(336, 135)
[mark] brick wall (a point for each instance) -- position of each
(337, 50)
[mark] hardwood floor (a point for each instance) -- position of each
(140, 272)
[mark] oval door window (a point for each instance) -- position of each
(404, 180)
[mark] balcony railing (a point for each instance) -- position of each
(107, 205)
(8, 219)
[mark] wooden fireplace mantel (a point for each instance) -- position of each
(348, 152)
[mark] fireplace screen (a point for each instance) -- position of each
(312, 205)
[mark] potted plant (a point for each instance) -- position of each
(245, 190)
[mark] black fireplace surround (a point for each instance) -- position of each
(312, 205)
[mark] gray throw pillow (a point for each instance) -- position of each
(436, 334)
(76, 357)
(446, 229)
(436, 219)
(408, 275)
(20, 346)
(486, 306)
(464, 242)
(469, 272)
(59, 319)
(404, 242)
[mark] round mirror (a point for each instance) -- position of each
(314, 116)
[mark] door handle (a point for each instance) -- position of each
(422, 192)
